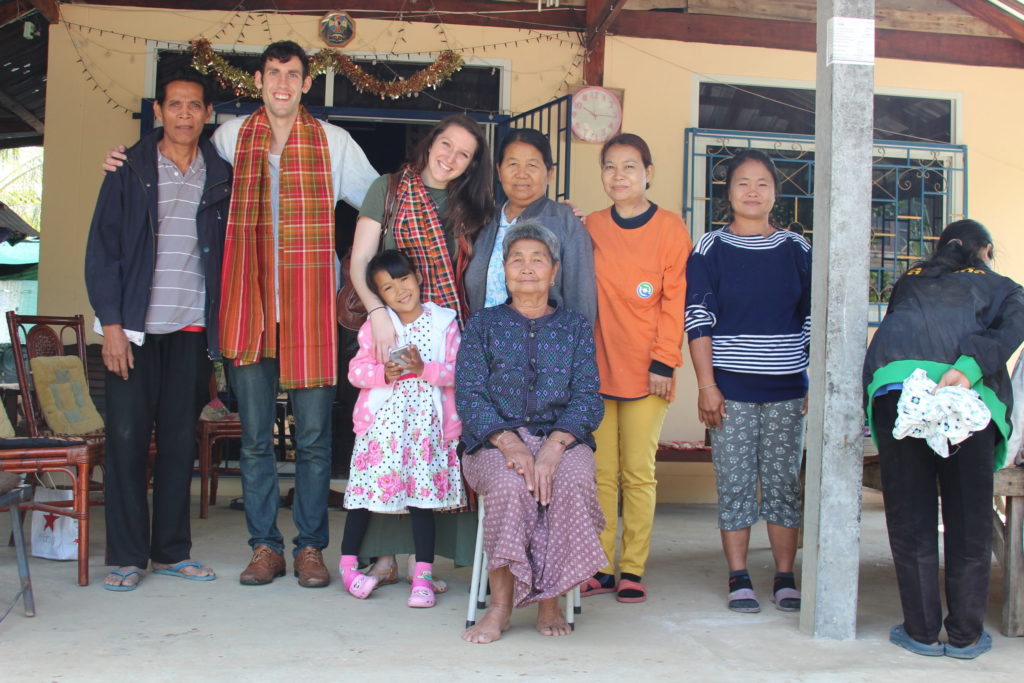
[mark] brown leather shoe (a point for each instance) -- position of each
(264, 567)
(309, 567)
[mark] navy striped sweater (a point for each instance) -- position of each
(752, 296)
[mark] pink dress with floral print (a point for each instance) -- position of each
(403, 460)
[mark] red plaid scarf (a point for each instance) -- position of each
(307, 348)
(420, 234)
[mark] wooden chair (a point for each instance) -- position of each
(36, 336)
(211, 435)
(44, 336)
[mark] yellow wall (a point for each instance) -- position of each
(659, 82)
(82, 125)
(658, 78)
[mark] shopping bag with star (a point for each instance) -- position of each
(54, 537)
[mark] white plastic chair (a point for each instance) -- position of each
(478, 583)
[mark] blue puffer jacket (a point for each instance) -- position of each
(121, 252)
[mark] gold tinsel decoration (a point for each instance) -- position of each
(206, 61)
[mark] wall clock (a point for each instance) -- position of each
(596, 114)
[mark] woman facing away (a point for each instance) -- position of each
(748, 314)
(960, 322)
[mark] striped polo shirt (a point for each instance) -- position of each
(178, 293)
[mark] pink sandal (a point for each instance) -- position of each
(593, 587)
(422, 593)
(361, 586)
(627, 584)
(357, 584)
(743, 600)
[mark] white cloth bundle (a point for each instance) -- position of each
(947, 416)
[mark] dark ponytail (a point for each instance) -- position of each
(959, 247)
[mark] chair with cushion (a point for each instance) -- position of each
(54, 392)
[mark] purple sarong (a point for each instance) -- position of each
(549, 550)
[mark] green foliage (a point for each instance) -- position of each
(21, 182)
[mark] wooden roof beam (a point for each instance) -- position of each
(798, 35)
(48, 8)
(993, 16)
(13, 11)
(522, 15)
(601, 15)
(25, 115)
(678, 26)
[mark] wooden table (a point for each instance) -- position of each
(1008, 546)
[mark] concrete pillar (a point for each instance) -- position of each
(842, 218)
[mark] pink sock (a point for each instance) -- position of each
(423, 575)
(348, 568)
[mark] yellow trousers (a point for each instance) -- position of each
(627, 442)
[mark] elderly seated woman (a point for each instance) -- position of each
(526, 389)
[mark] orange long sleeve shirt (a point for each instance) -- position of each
(641, 295)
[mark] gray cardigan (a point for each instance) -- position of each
(575, 286)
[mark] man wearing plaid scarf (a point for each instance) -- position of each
(278, 306)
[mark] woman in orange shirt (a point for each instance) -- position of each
(640, 255)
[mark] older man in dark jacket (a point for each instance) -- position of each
(152, 270)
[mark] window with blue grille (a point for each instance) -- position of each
(919, 178)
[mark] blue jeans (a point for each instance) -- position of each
(256, 387)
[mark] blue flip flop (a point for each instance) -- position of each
(124, 575)
(899, 636)
(175, 570)
(983, 645)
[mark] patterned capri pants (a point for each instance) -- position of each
(759, 441)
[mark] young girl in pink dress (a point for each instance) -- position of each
(405, 422)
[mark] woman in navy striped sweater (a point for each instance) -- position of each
(748, 305)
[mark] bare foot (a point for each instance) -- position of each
(383, 565)
(551, 619)
(385, 570)
(185, 569)
(127, 577)
(490, 628)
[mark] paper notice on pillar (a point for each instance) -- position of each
(850, 41)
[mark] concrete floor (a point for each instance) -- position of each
(172, 630)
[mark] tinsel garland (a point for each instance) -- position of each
(206, 61)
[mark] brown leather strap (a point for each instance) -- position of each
(387, 221)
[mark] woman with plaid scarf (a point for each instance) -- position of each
(444, 198)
